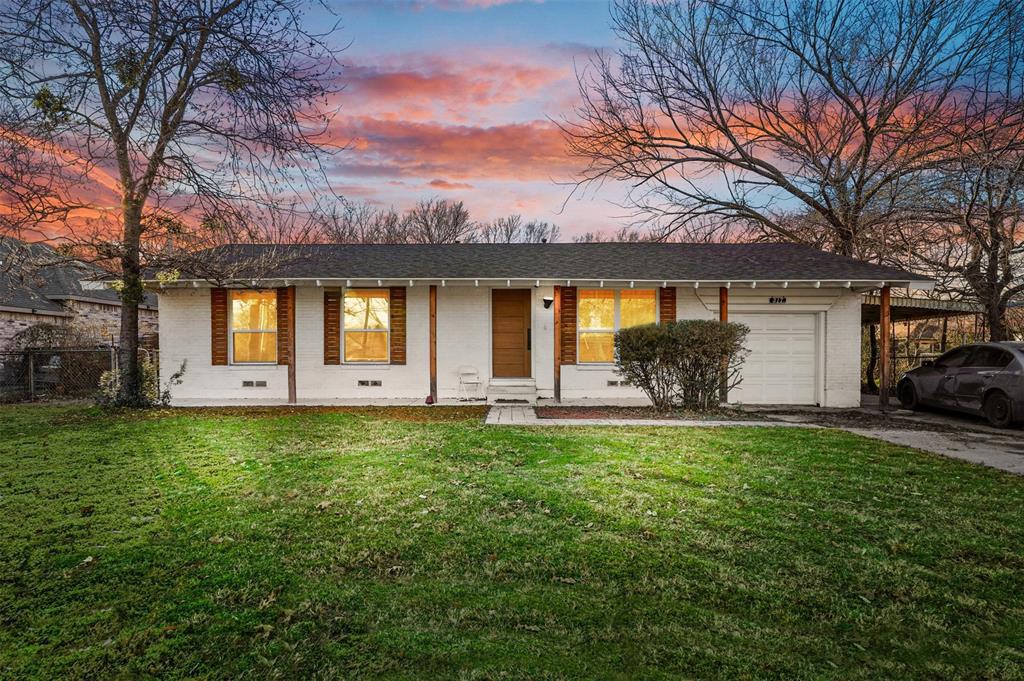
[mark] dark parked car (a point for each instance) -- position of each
(985, 379)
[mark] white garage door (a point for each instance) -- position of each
(781, 366)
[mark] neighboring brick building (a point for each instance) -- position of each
(36, 287)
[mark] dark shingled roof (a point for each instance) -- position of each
(640, 261)
(36, 277)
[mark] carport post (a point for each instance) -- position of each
(885, 340)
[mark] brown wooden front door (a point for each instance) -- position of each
(510, 333)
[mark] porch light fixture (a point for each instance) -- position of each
(548, 300)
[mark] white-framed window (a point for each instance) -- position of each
(601, 312)
(253, 326)
(366, 333)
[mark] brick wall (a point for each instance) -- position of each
(12, 323)
(98, 320)
(463, 328)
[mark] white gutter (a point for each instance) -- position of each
(532, 282)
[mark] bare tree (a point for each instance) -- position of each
(363, 223)
(439, 221)
(969, 226)
(625, 233)
(749, 110)
(194, 111)
(512, 230)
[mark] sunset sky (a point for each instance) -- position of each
(455, 99)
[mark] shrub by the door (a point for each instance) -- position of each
(682, 364)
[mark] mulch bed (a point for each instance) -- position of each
(643, 413)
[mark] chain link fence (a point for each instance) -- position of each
(56, 373)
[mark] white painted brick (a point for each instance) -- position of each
(463, 328)
(842, 351)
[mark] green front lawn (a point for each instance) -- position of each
(387, 544)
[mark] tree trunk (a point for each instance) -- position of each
(130, 392)
(872, 358)
(995, 317)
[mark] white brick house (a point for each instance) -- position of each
(344, 324)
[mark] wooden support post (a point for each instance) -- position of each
(723, 316)
(433, 344)
(872, 358)
(885, 351)
(558, 343)
(945, 334)
(292, 393)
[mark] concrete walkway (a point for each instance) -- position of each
(516, 415)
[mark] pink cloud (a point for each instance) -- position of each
(423, 87)
(517, 151)
(447, 186)
(454, 5)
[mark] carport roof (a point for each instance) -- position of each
(903, 309)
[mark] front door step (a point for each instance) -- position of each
(512, 391)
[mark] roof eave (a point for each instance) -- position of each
(859, 285)
(33, 310)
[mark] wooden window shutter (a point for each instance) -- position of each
(568, 325)
(285, 311)
(219, 326)
(332, 326)
(397, 324)
(667, 304)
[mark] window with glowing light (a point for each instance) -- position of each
(601, 312)
(366, 332)
(253, 327)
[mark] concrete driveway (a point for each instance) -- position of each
(948, 434)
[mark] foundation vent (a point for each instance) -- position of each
(369, 384)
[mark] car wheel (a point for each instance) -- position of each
(907, 394)
(998, 410)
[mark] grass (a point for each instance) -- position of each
(388, 544)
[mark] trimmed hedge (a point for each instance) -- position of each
(682, 364)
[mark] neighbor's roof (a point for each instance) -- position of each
(34, 277)
(588, 261)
